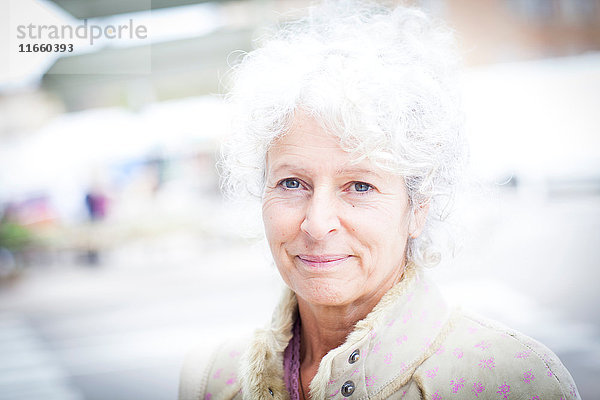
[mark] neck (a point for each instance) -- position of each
(325, 327)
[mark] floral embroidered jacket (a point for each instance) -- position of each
(411, 346)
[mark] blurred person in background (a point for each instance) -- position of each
(96, 204)
(349, 129)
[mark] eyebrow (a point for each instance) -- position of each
(291, 167)
(357, 170)
(340, 171)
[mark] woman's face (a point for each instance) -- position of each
(337, 229)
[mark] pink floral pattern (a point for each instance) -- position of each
(489, 363)
(523, 354)
(432, 372)
(456, 385)
(504, 390)
(401, 339)
(377, 347)
(573, 391)
(436, 396)
(547, 359)
(458, 353)
(528, 376)
(370, 380)
(483, 345)
(231, 379)
(388, 358)
(478, 388)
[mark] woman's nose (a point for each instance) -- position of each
(321, 217)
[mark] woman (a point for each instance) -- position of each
(349, 129)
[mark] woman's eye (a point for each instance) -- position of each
(291, 183)
(362, 187)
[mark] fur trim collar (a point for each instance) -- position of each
(262, 364)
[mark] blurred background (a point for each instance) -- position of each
(118, 253)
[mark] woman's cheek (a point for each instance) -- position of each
(281, 216)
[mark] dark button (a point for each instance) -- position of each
(271, 392)
(347, 388)
(354, 357)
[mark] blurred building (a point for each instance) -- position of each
(492, 31)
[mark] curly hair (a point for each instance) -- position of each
(383, 80)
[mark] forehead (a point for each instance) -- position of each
(308, 146)
(306, 131)
(307, 140)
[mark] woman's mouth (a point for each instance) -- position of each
(322, 261)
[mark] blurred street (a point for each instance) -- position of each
(120, 329)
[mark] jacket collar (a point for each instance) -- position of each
(400, 332)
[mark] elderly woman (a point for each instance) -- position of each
(348, 128)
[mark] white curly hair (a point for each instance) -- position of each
(383, 80)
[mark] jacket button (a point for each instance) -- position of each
(354, 357)
(347, 388)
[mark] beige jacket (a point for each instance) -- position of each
(411, 346)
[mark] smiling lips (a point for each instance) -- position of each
(323, 261)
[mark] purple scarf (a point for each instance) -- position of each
(291, 363)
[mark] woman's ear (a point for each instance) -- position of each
(417, 219)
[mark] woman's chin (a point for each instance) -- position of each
(323, 293)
